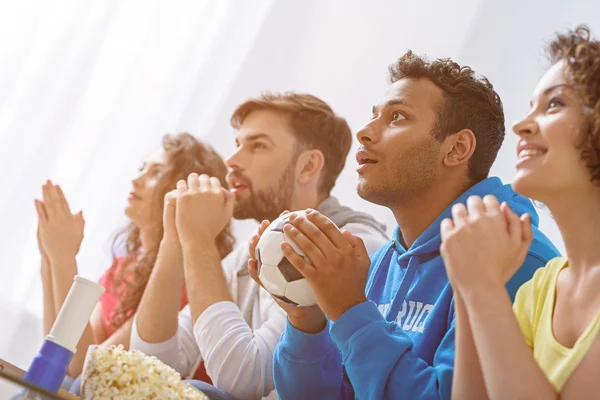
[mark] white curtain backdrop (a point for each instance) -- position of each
(87, 89)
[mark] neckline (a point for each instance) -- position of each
(585, 332)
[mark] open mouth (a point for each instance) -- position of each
(530, 153)
(528, 150)
(527, 154)
(236, 185)
(364, 160)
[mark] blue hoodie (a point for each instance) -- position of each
(400, 343)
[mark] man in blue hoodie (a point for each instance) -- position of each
(390, 327)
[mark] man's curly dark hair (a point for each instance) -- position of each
(581, 53)
(469, 102)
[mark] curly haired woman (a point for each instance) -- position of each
(546, 346)
(135, 248)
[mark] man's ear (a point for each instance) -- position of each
(309, 166)
(458, 148)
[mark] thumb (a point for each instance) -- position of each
(527, 234)
(229, 201)
(170, 210)
(253, 270)
(171, 198)
(360, 251)
(526, 228)
(78, 217)
(513, 222)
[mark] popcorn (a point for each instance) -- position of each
(113, 373)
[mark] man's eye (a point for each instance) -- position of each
(398, 116)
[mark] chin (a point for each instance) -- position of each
(363, 190)
(241, 211)
(527, 184)
(370, 194)
(131, 213)
(128, 212)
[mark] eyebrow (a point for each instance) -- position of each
(393, 102)
(152, 165)
(548, 90)
(256, 136)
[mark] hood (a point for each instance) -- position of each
(430, 240)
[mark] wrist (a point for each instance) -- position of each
(312, 322)
(479, 295)
(45, 268)
(45, 261)
(336, 312)
(171, 243)
(199, 257)
(60, 260)
(200, 243)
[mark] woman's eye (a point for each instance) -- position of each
(154, 172)
(555, 103)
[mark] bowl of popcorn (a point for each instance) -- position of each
(111, 372)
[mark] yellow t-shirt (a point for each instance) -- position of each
(534, 306)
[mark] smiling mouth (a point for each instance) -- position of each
(527, 154)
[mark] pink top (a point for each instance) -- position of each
(110, 301)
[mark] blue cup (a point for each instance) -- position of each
(49, 367)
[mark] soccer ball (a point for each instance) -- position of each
(276, 273)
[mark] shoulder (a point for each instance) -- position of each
(540, 254)
(543, 278)
(549, 272)
(115, 277)
(372, 237)
(114, 270)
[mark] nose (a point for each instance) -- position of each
(525, 127)
(138, 181)
(369, 133)
(235, 160)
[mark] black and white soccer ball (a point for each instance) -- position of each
(276, 273)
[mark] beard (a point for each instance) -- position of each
(407, 176)
(267, 203)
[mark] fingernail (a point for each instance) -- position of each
(309, 211)
(293, 217)
(284, 245)
(287, 228)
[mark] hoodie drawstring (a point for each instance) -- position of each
(403, 289)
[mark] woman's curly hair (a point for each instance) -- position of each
(184, 154)
(581, 53)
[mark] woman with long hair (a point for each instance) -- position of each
(546, 346)
(135, 248)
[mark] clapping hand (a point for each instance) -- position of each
(483, 244)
